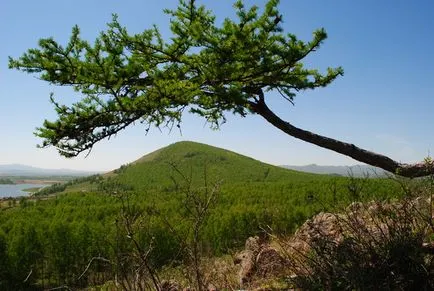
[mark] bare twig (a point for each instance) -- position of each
(28, 276)
(90, 263)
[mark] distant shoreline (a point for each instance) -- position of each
(17, 182)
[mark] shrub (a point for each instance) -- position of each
(374, 246)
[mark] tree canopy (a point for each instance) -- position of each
(202, 68)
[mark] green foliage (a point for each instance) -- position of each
(205, 69)
(56, 238)
(4, 264)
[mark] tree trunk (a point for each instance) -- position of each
(350, 150)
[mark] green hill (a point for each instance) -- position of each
(245, 184)
(163, 168)
(252, 195)
(156, 200)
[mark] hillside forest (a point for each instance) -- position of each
(188, 196)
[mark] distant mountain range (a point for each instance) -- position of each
(356, 170)
(24, 170)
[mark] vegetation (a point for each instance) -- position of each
(189, 201)
(382, 247)
(57, 238)
(6, 181)
(60, 187)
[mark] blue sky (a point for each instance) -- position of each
(384, 102)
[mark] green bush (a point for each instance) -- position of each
(381, 248)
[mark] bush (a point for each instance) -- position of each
(373, 246)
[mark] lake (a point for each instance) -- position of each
(17, 190)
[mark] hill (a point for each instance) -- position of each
(250, 194)
(194, 165)
(165, 167)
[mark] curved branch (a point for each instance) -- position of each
(347, 149)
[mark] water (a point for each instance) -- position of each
(17, 190)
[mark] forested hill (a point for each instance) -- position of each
(188, 162)
(199, 161)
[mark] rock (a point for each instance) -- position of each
(260, 259)
(372, 220)
(169, 285)
(247, 258)
(253, 244)
(322, 224)
(270, 263)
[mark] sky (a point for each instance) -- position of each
(383, 103)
